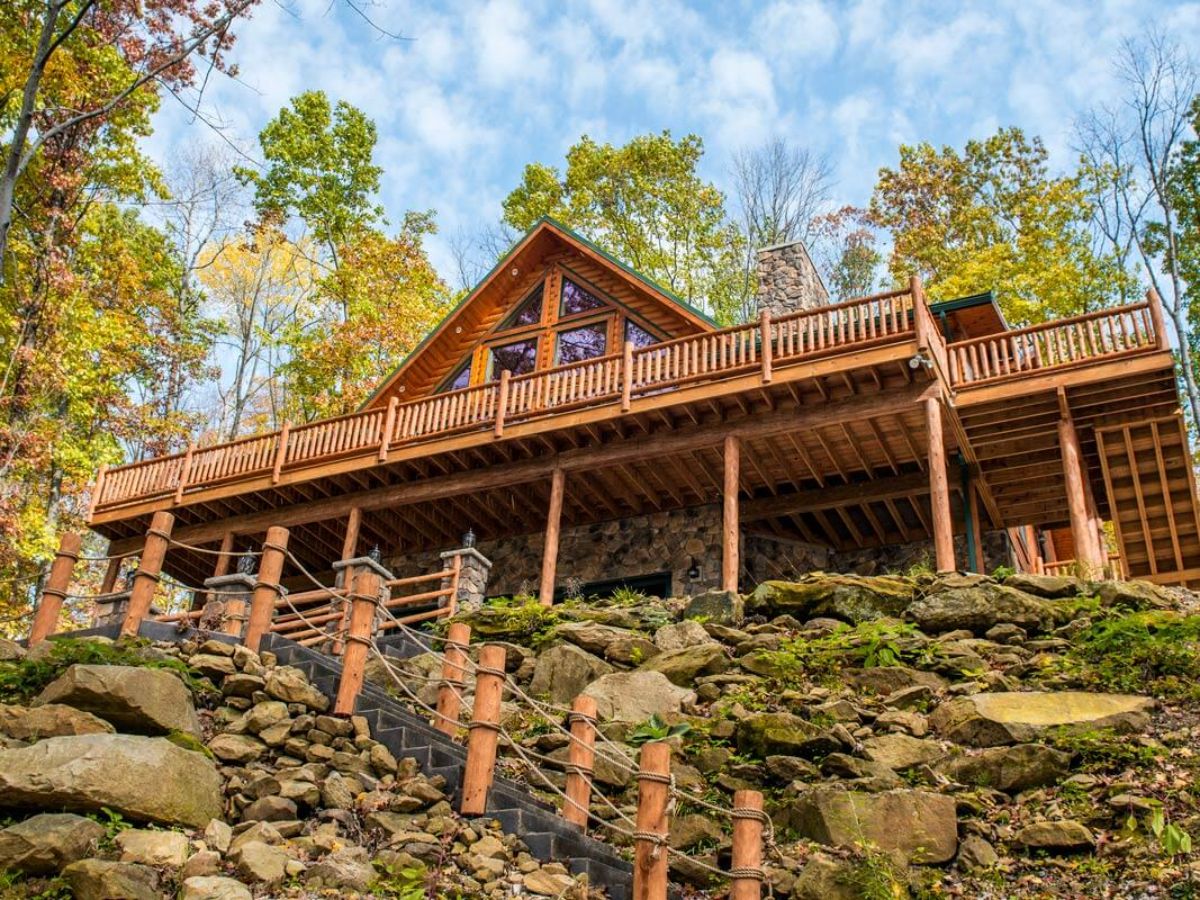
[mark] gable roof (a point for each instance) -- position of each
(522, 258)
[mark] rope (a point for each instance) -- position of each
(208, 551)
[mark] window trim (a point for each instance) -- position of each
(597, 317)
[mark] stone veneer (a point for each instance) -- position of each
(670, 542)
(788, 281)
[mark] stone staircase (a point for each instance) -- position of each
(548, 836)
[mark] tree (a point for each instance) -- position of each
(995, 218)
(844, 251)
(645, 203)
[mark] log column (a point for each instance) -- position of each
(730, 561)
(45, 620)
(454, 678)
(485, 731)
(145, 580)
(939, 488)
(266, 589)
(364, 600)
(1083, 533)
(746, 872)
(581, 758)
(558, 482)
(650, 848)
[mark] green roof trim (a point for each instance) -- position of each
(575, 235)
(969, 302)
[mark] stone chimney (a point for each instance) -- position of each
(788, 281)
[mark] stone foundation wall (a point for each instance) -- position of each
(904, 557)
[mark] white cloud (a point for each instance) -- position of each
(738, 95)
(792, 32)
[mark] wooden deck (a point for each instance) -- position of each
(829, 406)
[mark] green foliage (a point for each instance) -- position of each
(401, 882)
(645, 203)
(655, 729)
(188, 742)
(524, 619)
(875, 877)
(626, 596)
(1000, 573)
(1141, 652)
(1169, 837)
(22, 680)
(1103, 749)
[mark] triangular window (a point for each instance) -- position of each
(577, 300)
(529, 312)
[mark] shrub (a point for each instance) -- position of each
(1142, 652)
(22, 680)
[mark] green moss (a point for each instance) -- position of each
(188, 742)
(1104, 750)
(1139, 652)
(22, 680)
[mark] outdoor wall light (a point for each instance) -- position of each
(693, 571)
(468, 539)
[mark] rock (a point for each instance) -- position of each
(98, 879)
(1061, 835)
(134, 699)
(291, 686)
(212, 666)
(850, 598)
(975, 853)
(636, 696)
(349, 869)
(202, 862)
(142, 778)
(909, 697)
(1006, 633)
(11, 651)
(564, 670)
(993, 719)
(218, 835)
(214, 887)
(920, 825)
(770, 734)
(823, 878)
(889, 680)
(1009, 769)
(338, 791)
(689, 830)
(614, 644)
(270, 809)
(681, 635)
(256, 861)
(263, 715)
(980, 607)
(1052, 587)
(51, 720)
(153, 848)
(791, 768)
(45, 843)
(1134, 595)
(900, 751)
(682, 667)
(242, 685)
(719, 607)
(547, 884)
(236, 748)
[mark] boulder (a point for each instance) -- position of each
(98, 879)
(682, 667)
(634, 697)
(143, 778)
(975, 853)
(270, 809)
(348, 869)
(11, 651)
(995, 719)
(981, 606)
(783, 734)
(900, 751)
(1064, 835)
(256, 861)
(919, 825)
(1052, 587)
(291, 686)
(236, 748)
(263, 715)
(545, 883)
(850, 598)
(136, 700)
(1134, 595)
(564, 670)
(153, 848)
(616, 644)
(720, 607)
(1009, 769)
(681, 635)
(887, 680)
(694, 828)
(52, 720)
(214, 887)
(42, 845)
(823, 878)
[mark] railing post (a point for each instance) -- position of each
(145, 579)
(111, 572)
(389, 424)
(650, 854)
(485, 730)
(746, 872)
(184, 471)
(917, 292)
(627, 376)
(581, 756)
(553, 526)
(281, 452)
(45, 620)
(454, 669)
(1156, 317)
(764, 328)
(97, 490)
(502, 401)
(455, 578)
(365, 599)
(266, 588)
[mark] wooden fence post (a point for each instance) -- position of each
(280, 452)
(746, 871)
(581, 757)
(764, 327)
(145, 579)
(365, 599)
(502, 401)
(455, 579)
(626, 376)
(184, 472)
(266, 588)
(650, 854)
(45, 620)
(485, 730)
(450, 691)
(389, 425)
(1156, 318)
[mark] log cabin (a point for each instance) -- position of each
(571, 426)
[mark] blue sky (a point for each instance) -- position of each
(482, 88)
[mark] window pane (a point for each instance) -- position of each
(530, 312)
(577, 344)
(576, 300)
(461, 380)
(637, 335)
(518, 357)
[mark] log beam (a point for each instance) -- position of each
(939, 488)
(558, 480)
(730, 532)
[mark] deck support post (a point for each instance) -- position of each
(349, 551)
(266, 588)
(650, 846)
(226, 556)
(485, 731)
(581, 756)
(1083, 532)
(939, 488)
(730, 561)
(745, 873)
(45, 620)
(979, 564)
(454, 678)
(558, 480)
(364, 600)
(145, 580)
(111, 573)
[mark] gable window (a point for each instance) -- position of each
(529, 312)
(637, 335)
(461, 379)
(518, 357)
(579, 344)
(577, 300)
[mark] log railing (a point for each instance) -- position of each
(1056, 344)
(615, 378)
